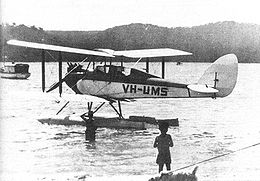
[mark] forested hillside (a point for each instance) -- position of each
(206, 42)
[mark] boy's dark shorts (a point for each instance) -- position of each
(163, 159)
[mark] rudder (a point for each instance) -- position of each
(222, 75)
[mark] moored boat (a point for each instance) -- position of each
(15, 71)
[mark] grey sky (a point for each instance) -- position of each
(103, 14)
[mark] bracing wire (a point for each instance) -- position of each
(137, 62)
(51, 55)
(53, 59)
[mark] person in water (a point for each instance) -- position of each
(163, 142)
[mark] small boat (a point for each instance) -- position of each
(15, 71)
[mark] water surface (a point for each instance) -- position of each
(208, 128)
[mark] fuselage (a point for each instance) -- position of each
(112, 82)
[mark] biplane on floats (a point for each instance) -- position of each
(115, 83)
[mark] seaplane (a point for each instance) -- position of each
(116, 83)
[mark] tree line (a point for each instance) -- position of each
(206, 42)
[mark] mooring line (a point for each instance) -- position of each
(209, 159)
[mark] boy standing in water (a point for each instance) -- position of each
(163, 142)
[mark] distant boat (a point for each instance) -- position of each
(15, 71)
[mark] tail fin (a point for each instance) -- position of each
(222, 75)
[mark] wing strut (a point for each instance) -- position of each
(43, 70)
(147, 65)
(60, 73)
(163, 67)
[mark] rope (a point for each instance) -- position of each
(215, 157)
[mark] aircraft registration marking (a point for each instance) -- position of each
(145, 89)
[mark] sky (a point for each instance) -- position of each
(87, 15)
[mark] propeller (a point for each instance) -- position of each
(57, 84)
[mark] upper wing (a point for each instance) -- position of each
(143, 53)
(57, 48)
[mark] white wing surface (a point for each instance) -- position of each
(142, 53)
(57, 48)
(147, 53)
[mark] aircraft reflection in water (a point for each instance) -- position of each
(118, 83)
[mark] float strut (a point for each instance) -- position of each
(62, 107)
(118, 112)
(99, 107)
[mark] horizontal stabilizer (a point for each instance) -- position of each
(202, 88)
(57, 48)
